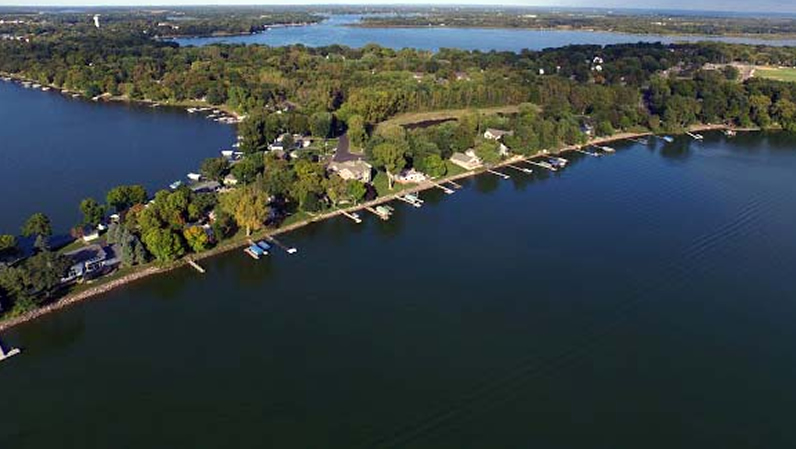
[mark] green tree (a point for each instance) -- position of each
(37, 224)
(337, 190)
(93, 212)
(357, 190)
(321, 124)
(123, 197)
(164, 244)
(8, 243)
(215, 168)
(357, 133)
(434, 166)
(197, 238)
(246, 171)
(488, 152)
(390, 157)
(43, 272)
(248, 205)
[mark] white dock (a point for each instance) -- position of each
(443, 188)
(8, 354)
(695, 136)
(546, 165)
(354, 217)
(522, 169)
(196, 266)
(497, 173)
(406, 199)
(287, 249)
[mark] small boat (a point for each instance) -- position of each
(730, 132)
(668, 139)
(557, 162)
(175, 185)
(608, 149)
(45, 89)
(227, 153)
(192, 110)
(194, 177)
(264, 246)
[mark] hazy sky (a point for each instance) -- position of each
(781, 6)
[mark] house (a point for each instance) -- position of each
(89, 262)
(90, 234)
(205, 187)
(358, 170)
(230, 180)
(411, 176)
(467, 161)
(496, 134)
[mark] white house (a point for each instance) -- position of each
(411, 176)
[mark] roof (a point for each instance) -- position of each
(89, 253)
(352, 166)
(464, 158)
(499, 132)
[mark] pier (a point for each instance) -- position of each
(287, 249)
(522, 169)
(8, 354)
(380, 211)
(546, 165)
(353, 216)
(196, 266)
(455, 186)
(695, 136)
(587, 153)
(497, 173)
(411, 200)
(443, 188)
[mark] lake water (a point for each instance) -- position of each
(334, 31)
(640, 300)
(55, 151)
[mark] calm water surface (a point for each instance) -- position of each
(640, 300)
(334, 31)
(55, 151)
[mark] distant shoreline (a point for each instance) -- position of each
(152, 270)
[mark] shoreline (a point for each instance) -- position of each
(226, 247)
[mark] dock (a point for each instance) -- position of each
(381, 213)
(497, 173)
(287, 249)
(587, 153)
(411, 200)
(455, 186)
(545, 165)
(8, 354)
(353, 216)
(522, 169)
(196, 266)
(443, 188)
(695, 136)
(607, 149)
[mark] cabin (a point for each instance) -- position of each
(89, 262)
(410, 176)
(496, 134)
(357, 170)
(467, 161)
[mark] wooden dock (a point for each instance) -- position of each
(355, 218)
(8, 354)
(408, 201)
(443, 188)
(527, 171)
(497, 173)
(287, 249)
(383, 216)
(545, 165)
(455, 186)
(695, 136)
(196, 266)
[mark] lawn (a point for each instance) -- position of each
(777, 73)
(380, 182)
(418, 117)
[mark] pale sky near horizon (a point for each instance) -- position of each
(781, 6)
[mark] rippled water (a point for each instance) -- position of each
(334, 31)
(640, 300)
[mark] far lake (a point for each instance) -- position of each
(55, 151)
(334, 31)
(642, 300)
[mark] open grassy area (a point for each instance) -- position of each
(777, 73)
(418, 117)
(381, 183)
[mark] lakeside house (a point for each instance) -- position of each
(357, 170)
(230, 180)
(89, 234)
(411, 176)
(496, 134)
(467, 160)
(89, 262)
(205, 187)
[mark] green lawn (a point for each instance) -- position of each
(380, 182)
(780, 74)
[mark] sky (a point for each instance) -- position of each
(780, 6)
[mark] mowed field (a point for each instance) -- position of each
(777, 73)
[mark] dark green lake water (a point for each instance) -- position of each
(643, 300)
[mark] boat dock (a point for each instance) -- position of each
(287, 249)
(545, 165)
(380, 211)
(522, 169)
(587, 153)
(447, 190)
(497, 173)
(411, 199)
(8, 354)
(695, 136)
(353, 216)
(196, 266)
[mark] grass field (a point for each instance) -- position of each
(777, 73)
(418, 117)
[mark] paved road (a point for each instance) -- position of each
(343, 153)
